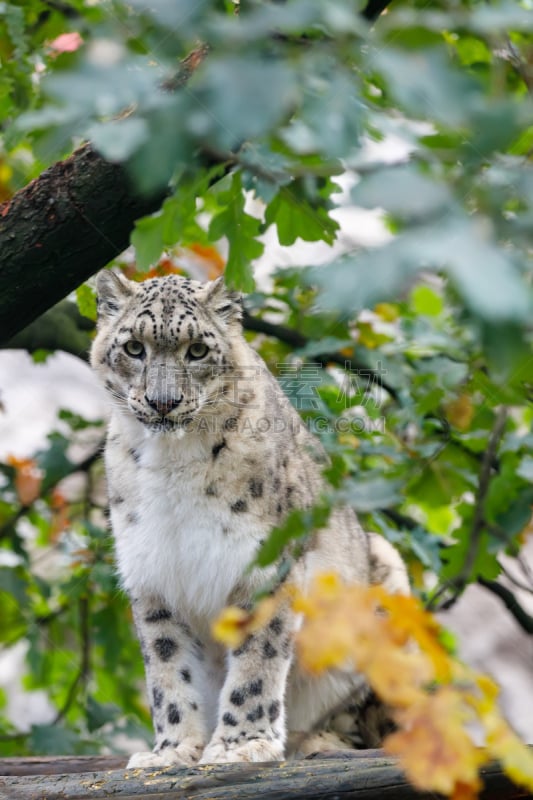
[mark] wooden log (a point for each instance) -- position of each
(357, 777)
(66, 765)
(58, 765)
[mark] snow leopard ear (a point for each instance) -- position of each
(224, 302)
(113, 290)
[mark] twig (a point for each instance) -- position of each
(457, 584)
(525, 567)
(83, 672)
(186, 68)
(513, 56)
(511, 603)
(510, 577)
(484, 482)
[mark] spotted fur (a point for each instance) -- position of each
(204, 456)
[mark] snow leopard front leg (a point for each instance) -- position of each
(173, 660)
(251, 719)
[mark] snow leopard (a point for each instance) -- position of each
(204, 456)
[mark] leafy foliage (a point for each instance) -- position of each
(68, 607)
(398, 646)
(410, 359)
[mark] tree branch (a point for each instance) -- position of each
(478, 523)
(59, 229)
(457, 584)
(511, 603)
(374, 8)
(62, 327)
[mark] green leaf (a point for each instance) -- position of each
(119, 139)
(40, 356)
(427, 84)
(99, 714)
(329, 344)
(86, 299)
(54, 461)
(525, 468)
(12, 582)
(370, 493)
(168, 147)
(295, 218)
(53, 739)
(297, 524)
(77, 422)
(426, 548)
(147, 238)
(330, 120)
(107, 634)
(170, 15)
(175, 223)
(403, 191)
(426, 301)
(456, 245)
(241, 231)
(239, 98)
(517, 516)
(502, 18)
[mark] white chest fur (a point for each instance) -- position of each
(172, 539)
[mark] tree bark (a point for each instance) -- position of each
(60, 229)
(360, 776)
(59, 765)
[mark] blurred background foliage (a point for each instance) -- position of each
(411, 359)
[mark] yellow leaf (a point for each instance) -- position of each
(515, 758)
(387, 311)
(369, 337)
(230, 626)
(397, 676)
(462, 791)
(346, 351)
(501, 742)
(460, 412)
(417, 573)
(396, 644)
(333, 635)
(349, 440)
(409, 619)
(234, 624)
(6, 173)
(436, 752)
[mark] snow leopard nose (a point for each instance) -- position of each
(163, 404)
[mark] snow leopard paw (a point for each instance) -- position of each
(219, 752)
(185, 754)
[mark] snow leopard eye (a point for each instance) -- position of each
(134, 349)
(198, 350)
